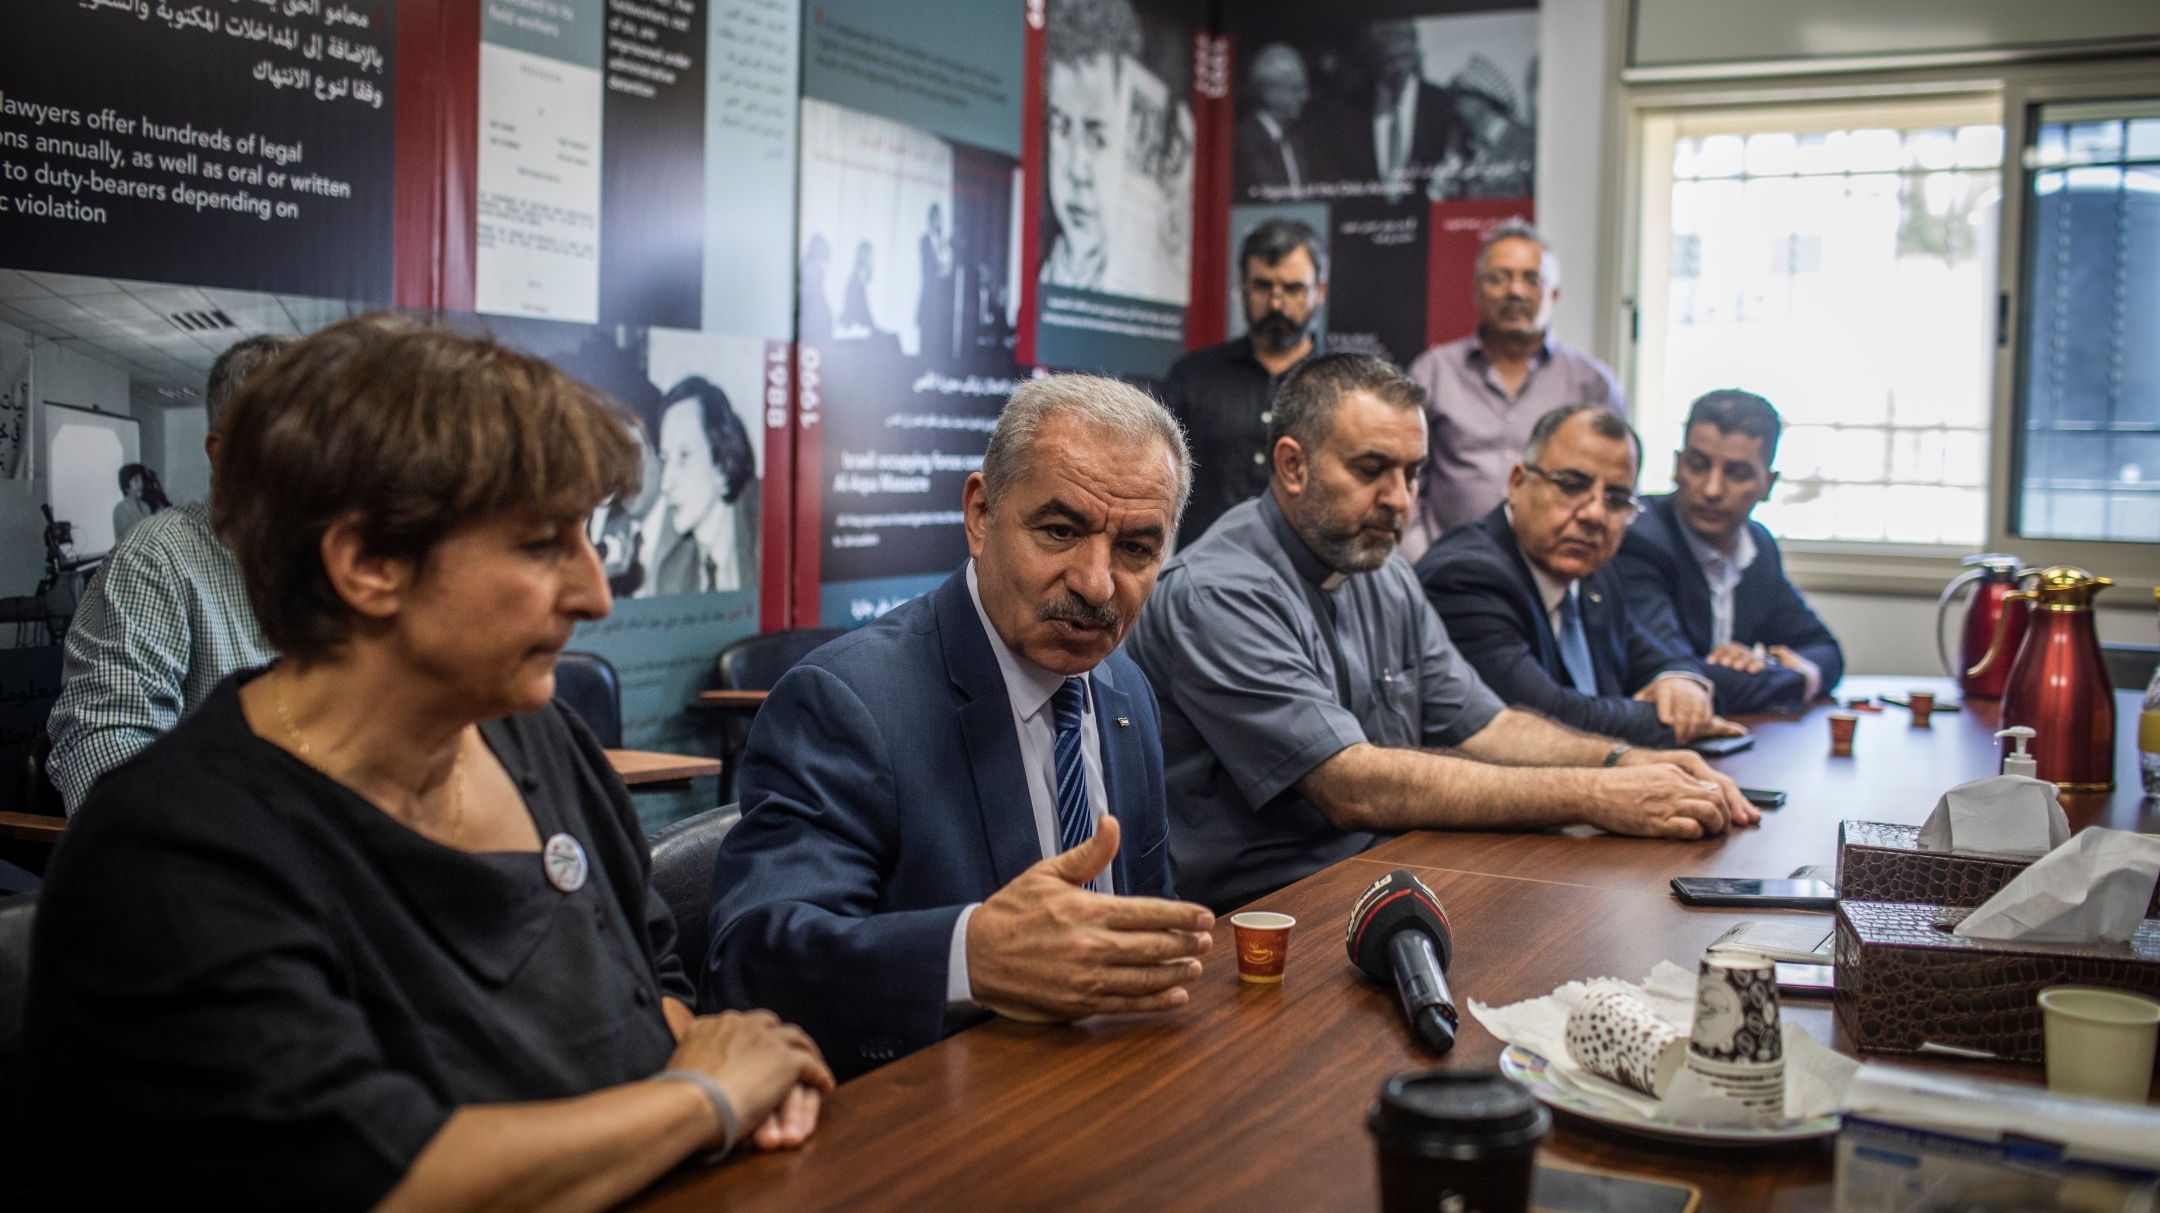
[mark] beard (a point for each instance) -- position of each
(1344, 544)
(1278, 333)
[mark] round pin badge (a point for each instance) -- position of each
(564, 860)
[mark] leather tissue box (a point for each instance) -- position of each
(1903, 980)
(1879, 862)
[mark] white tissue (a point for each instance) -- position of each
(2001, 815)
(1815, 1075)
(2095, 887)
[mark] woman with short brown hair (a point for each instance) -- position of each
(373, 927)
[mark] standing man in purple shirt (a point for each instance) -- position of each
(1485, 391)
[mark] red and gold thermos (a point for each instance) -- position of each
(2058, 684)
(1994, 577)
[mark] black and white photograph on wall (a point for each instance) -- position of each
(102, 420)
(1116, 230)
(1386, 127)
(909, 298)
(692, 527)
(1443, 106)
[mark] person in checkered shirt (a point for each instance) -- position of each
(164, 621)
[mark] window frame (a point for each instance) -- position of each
(1890, 568)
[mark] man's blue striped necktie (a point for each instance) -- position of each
(1575, 646)
(1076, 821)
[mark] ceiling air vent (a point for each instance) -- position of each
(202, 322)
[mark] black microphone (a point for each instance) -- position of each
(1399, 933)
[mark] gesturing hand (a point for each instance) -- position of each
(1045, 948)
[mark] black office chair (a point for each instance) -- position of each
(34, 790)
(755, 663)
(682, 863)
(2130, 666)
(588, 685)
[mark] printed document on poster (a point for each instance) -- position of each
(539, 225)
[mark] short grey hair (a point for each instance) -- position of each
(234, 368)
(1093, 400)
(1516, 229)
(1605, 422)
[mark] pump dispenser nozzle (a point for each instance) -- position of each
(2018, 762)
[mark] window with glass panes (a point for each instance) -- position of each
(2090, 375)
(1841, 264)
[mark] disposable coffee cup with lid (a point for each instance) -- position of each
(1456, 1139)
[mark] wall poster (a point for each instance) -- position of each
(1114, 245)
(177, 176)
(1410, 136)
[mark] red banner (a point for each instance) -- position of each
(1207, 319)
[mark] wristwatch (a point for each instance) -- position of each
(1612, 759)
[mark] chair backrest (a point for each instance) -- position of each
(682, 864)
(2130, 666)
(16, 916)
(34, 790)
(755, 663)
(587, 683)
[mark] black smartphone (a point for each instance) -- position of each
(1554, 1190)
(1755, 894)
(1764, 798)
(1719, 747)
(1806, 981)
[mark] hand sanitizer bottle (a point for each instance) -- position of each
(2018, 762)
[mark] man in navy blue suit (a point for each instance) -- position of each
(936, 809)
(1701, 575)
(1527, 597)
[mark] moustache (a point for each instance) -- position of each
(1275, 322)
(1072, 608)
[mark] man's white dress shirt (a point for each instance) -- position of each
(1723, 573)
(1029, 687)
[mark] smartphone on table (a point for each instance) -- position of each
(1754, 894)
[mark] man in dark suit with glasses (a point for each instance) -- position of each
(1527, 595)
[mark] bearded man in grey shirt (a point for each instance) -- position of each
(1484, 391)
(166, 619)
(1312, 703)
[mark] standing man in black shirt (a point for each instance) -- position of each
(1222, 394)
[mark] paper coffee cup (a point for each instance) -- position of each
(1263, 944)
(1614, 1034)
(1737, 1045)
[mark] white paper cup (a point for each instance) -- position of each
(2099, 1042)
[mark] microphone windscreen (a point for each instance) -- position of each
(1395, 901)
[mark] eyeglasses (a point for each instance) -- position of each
(1574, 488)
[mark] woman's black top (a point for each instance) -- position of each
(250, 984)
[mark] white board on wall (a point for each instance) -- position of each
(84, 452)
(1674, 32)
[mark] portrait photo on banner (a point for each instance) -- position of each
(1116, 218)
(1387, 136)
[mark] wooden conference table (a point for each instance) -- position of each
(1254, 1097)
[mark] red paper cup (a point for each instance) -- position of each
(1923, 706)
(1263, 943)
(1842, 725)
